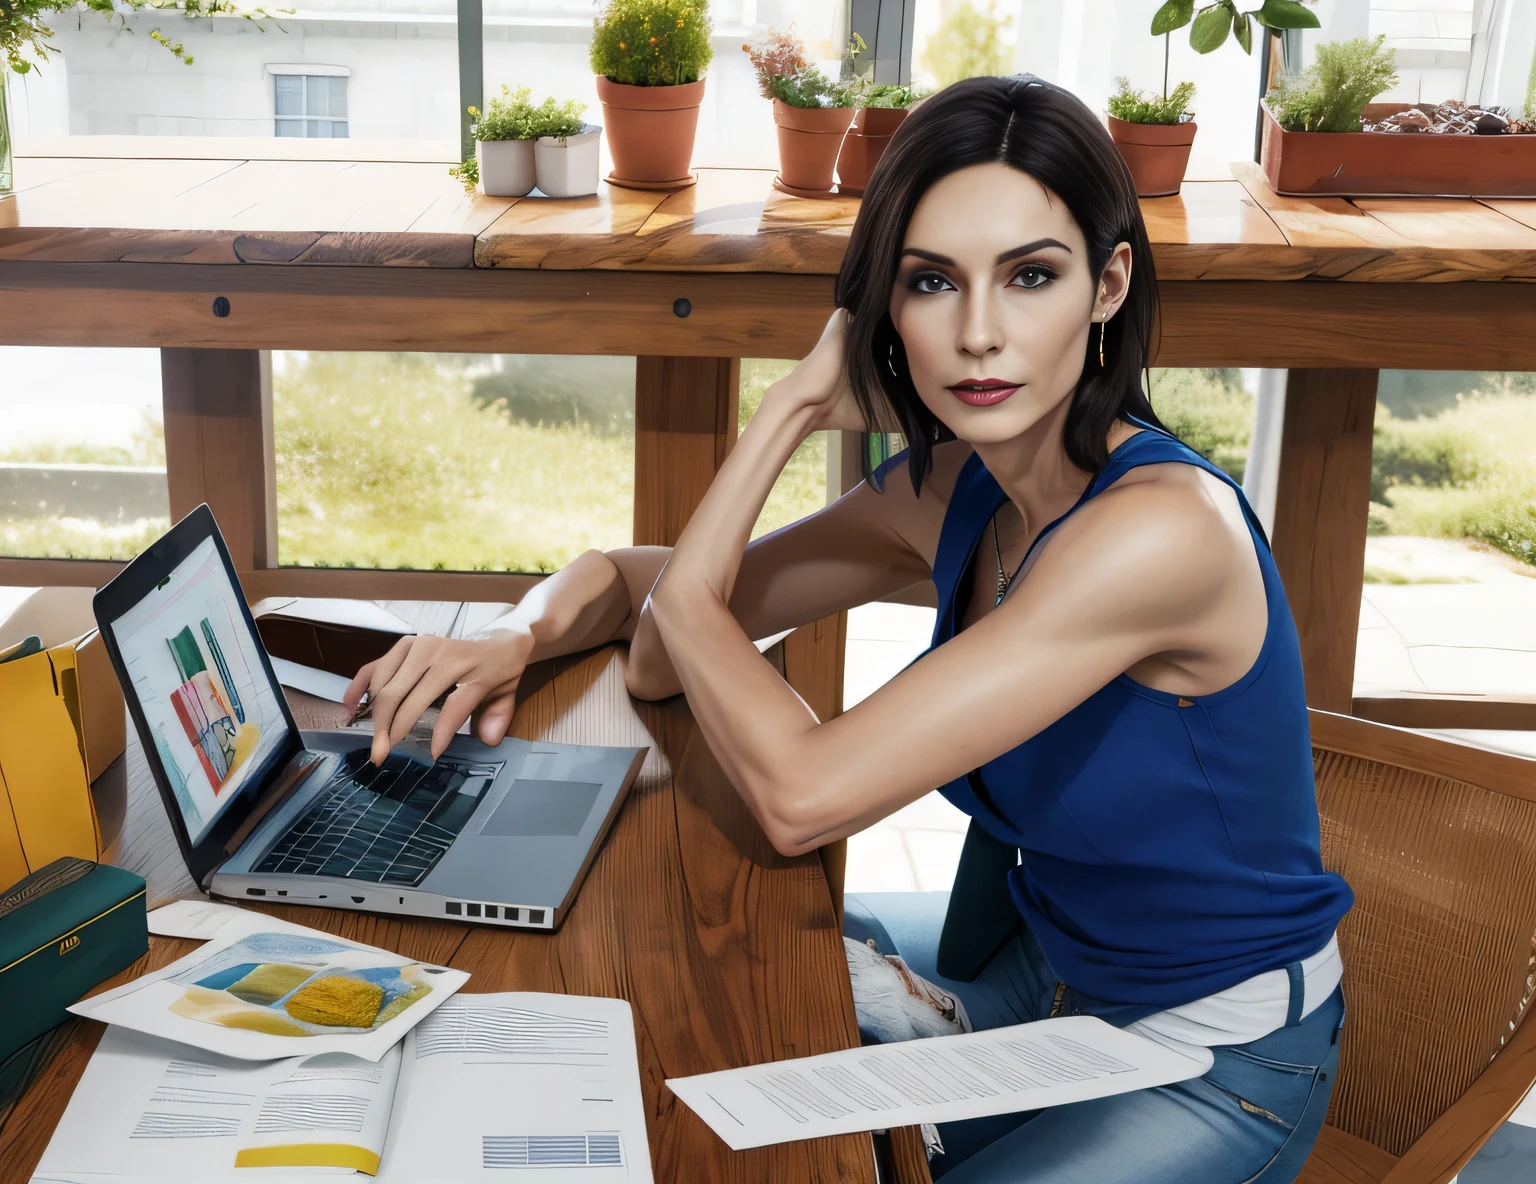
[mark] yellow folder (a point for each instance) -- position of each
(46, 809)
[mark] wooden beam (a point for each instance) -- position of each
(1505, 713)
(371, 584)
(217, 426)
(814, 657)
(1320, 511)
(685, 424)
(57, 573)
(407, 308)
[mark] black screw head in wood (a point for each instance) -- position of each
(682, 306)
(221, 306)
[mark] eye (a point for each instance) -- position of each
(1032, 275)
(930, 282)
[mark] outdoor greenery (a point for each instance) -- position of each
(811, 88)
(1211, 26)
(24, 24)
(889, 95)
(513, 115)
(1209, 410)
(777, 53)
(1135, 107)
(652, 42)
(802, 487)
(971, 39)
(1331, 94)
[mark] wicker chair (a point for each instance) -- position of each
(1438, 841)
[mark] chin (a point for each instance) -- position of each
(1005, 421)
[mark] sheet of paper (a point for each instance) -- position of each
(263, 989)
(941, 1079)
(354, 614)
(195, 919)
(152, 1109)
(548, 1085)
(320, 683)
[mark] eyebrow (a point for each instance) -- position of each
(1026, 249)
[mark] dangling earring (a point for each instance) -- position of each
(1101, 345)
(890, 359)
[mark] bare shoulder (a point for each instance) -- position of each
(1173, 528)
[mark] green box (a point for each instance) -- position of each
(64, 930)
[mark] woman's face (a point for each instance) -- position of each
(995, 301)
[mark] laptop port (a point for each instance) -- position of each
(255, 891)
(472, 909)
(535, 916)
(453, 908)
(490, 911)
(358, 899)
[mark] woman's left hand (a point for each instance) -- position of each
(819, 383)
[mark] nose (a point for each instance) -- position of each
(981, 331)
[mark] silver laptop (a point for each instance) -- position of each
(500, 835)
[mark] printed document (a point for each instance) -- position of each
(263, 989)
(548, 1085)
(940, 1079)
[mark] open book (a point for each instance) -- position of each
(547, 1084)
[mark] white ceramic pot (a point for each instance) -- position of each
(506, 167)
(568, 167)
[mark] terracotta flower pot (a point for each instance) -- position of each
(809, 141)
(650, 132)
(1156, 153)
(864, 145)
(1369, 164)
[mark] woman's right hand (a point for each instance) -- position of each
(407, 680)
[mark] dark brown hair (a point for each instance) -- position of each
(1050, 134)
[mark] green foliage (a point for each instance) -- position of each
(1466, 472)
(467, 172)
(595, 393)
(1409, 394)
(811, 88)
(889, 95)
(969, 42)
(652, 42)
(1210, 27)
(24, 23)
(1530, 90)
(775, 54)
(514, 116)
(1135, 107)
(388, 460)
(1331, 94)
(1209, 410)
(146, 448)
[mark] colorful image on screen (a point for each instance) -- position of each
(196, 671)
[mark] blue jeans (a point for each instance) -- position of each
(1253, 1117)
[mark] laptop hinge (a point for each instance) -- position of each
(297, 773)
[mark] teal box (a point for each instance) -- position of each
(63, 930)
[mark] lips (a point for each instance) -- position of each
(983, 392)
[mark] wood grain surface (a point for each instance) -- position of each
(388, 207)
(728, 952)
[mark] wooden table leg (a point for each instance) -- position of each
(685, 426)
(813, 665)
(1320, 521)
(218, 446)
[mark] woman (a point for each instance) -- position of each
(1115, 684)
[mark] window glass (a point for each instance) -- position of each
(1450, 563)
(801, 489)
(1211, 410)
(463, 462)
(390, 70)
(82, 456)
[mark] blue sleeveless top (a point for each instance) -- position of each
(1168, 847)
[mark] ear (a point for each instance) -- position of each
(1114, 283)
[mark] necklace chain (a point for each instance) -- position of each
(1004, 580)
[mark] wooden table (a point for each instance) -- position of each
(729, 953)
(347, 245)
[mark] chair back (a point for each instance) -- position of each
(1438, 841)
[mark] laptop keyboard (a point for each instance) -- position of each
(388, 823)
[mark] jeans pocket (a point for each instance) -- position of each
(1274, 1091)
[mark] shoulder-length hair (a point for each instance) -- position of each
(1050, 134)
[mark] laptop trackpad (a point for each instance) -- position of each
(543, 808)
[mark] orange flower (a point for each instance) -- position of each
(653, 41)
(623, 46)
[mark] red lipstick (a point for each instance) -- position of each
(983, 392)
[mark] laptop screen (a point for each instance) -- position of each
(215, 717)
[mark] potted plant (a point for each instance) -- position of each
(1154, 135)
(504, 135)
(649, 57)
(565, 153)
(811, 113)
(880, 111)
(1324, 136)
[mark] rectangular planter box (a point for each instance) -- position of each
(1402, 164)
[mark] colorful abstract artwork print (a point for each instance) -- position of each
(288, 984)
(208, 705)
